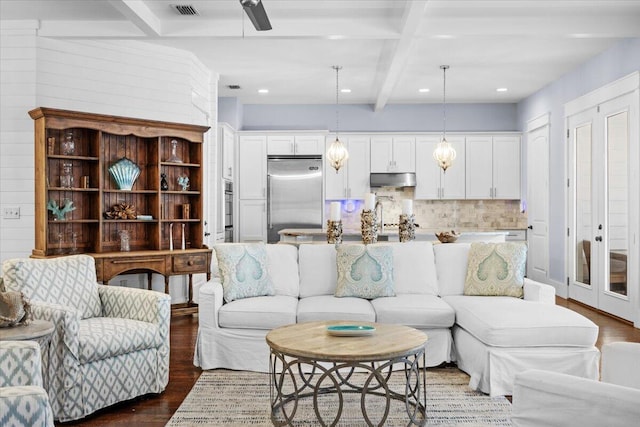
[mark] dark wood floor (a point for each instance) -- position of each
(157, 410)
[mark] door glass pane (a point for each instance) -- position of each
(583, 204)
(618, 192)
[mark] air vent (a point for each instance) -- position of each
(234, 87)
(185, 9)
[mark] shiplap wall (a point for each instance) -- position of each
(123, 78)
(17, 96)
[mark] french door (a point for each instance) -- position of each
(603, 199)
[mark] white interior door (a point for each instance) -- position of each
(538, 200)
(602, 229)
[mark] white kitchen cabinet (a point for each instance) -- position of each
(352, 180)
(393, 154)
(227, 142)
(253, 221)
(252, 162)
(280, 145)
(506, 167)
(493, 167)
(309, 145)
(431, 182)
(295, 145)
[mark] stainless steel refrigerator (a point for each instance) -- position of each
(294, 186)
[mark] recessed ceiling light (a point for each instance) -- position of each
(581, 36)
(501, 89)
(263, 90)
(335, 37)
(423, 90)
(345, 90)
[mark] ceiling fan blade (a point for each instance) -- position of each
(256, 13)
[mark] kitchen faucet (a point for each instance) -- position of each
(379, 204)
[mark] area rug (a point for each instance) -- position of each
(237, 398)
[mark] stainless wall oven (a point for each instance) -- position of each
(228, 211)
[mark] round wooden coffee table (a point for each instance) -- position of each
(306, 361)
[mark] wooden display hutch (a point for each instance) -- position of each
(82, 176)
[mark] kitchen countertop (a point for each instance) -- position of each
(301, 235)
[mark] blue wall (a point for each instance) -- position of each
(621, 59)
(230, 112)
(394, 118)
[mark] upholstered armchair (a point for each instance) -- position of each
(109, 344)
(23, 401)
(542, 398)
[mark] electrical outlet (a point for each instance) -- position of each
(11, 212)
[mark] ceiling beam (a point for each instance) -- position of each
(393, 60)
(140, 15)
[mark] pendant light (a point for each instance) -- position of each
(444, 154)
(337, 154)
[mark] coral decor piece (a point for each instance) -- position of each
(121, 211)
(183, 181)
(60, 212)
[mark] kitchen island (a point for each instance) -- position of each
(318, 235)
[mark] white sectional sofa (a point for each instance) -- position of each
(490, 338)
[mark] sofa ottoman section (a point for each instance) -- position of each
(513, 322)
(497, 337)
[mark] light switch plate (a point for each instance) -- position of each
(11, 212)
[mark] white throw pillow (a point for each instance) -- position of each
(318, 273)
(414, 268)
(282, 263)
(451, 265)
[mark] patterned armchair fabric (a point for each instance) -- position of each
(94, 360)
(23, 401)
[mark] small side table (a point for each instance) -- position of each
(39, 331)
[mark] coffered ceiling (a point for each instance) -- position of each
(389, 49)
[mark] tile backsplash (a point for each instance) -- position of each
(459, 215)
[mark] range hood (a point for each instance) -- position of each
(406, 179)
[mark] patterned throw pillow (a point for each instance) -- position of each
(496, 269)
(365, 271)
(69, 281)
(243, 270)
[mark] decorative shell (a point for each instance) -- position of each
(124, 173)
(447, 236)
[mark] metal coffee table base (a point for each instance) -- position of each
(292, 379)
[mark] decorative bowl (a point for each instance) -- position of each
(447, 236)
(350, 330)
(124, 173)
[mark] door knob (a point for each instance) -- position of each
(598, 238)
(530, 227)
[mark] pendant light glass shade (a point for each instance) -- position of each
(337, 154)
(444, 154)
